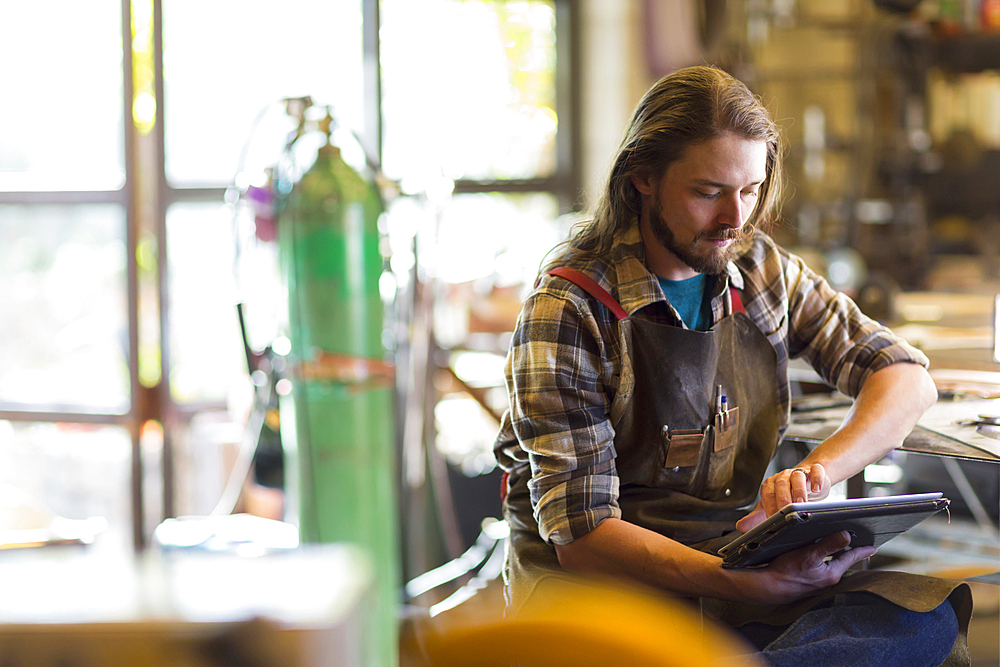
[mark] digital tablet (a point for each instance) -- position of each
(870, 521)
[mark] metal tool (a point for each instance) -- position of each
(988, 425)
(983, 420)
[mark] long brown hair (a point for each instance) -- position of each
(691, 105)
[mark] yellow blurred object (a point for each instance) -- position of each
(571, 623)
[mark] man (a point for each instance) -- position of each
(620, 462)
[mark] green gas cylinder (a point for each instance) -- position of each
(342, 402)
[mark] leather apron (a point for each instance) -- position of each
(685, 470)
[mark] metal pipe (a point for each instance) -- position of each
(134, 419)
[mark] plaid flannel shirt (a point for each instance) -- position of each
(564, 365)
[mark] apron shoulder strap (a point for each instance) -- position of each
(588, 285)
(737, 301)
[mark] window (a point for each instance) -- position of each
(62, 116)
(122, 360)
(228, 68)
(480, 105)
(121, 343)
(477, 105)
(66, 404)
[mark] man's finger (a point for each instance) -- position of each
(751, 520)
(768, 501)
(828, 546)
(852, 556)
(799, 482)
(783, 491)
(817, 476)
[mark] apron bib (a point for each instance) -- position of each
(685, 470)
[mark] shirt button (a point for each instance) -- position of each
(728, 492)
(677, 468)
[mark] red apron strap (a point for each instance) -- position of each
(737, 301)
(588, 285)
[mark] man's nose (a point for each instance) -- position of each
(732, 213)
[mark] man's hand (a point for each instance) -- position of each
(803, 571)
(622, 549)
(794, 485)
(886, 409)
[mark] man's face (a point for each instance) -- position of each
(695, 212)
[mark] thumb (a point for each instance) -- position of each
(829, 545)
(751, 520)
(841, 558)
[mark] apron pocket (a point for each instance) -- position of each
(684, 448)
(727, 429)
(723, 457)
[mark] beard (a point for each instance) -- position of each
(712, 264)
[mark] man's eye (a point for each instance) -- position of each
(708, 195)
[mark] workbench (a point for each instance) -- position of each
(67, 605)
(951, 430)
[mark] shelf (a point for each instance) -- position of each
(960, 54)
(968, 53)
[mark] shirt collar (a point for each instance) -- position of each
(637, 286)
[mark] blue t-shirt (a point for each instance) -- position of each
(688, 297)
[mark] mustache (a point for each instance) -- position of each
(728, 234)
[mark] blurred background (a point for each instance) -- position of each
(154, 160)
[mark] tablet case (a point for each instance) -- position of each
(870, 521)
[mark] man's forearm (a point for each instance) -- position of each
(885, 411)
(620, 549)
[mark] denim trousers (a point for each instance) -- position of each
(857, 630)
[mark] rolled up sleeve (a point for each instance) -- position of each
(841, 343)
(558, 376)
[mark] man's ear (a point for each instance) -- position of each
(643, 183)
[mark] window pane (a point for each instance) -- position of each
(485, 251)
(226, 61)
(61, 107)
(469, 88)
(206, 349)
(62, 293)
(502, 237)
(74, 471)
